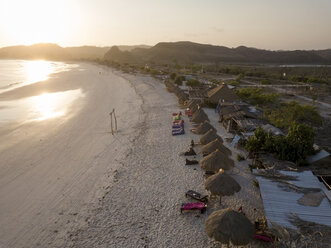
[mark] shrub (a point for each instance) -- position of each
(256, 183)
(240, 157)
(288, 113)
(179, 80)
(193, 82)
(173, 75)
(256, 97)
(295, 146)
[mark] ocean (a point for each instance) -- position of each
(19, 74)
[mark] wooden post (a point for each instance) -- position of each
(111, 122)
(115, 120)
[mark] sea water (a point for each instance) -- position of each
(15, 74)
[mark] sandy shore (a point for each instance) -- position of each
(53, 172)
(76, 185)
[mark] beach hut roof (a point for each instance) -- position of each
(222, 184)
(216, 161)
(209, 136)
(221, 93)
(213, 145)
(204, 127)
(227, 226)
(199, 116)
(194, 108)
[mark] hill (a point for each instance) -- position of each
(189, 52)
(53, 52)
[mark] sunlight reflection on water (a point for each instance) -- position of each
(39, 108)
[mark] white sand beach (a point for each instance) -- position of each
(69, 183)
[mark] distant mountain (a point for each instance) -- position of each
(86, 52)
(37, 51)
(53, 52)
(130, 48)
(189, 52)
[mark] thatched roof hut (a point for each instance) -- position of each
(227, 226)
(209, 136)
(194, 108)
(216, 161)
(213, 145)
(203, 128)
(222, 184)
(194, 102)
(199, 116)
(221, 93)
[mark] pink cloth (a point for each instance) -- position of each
(262, 237)
(193, 205)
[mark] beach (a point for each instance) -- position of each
(68, 182)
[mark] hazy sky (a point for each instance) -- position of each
(269, 24)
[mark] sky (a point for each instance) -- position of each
(266, 24)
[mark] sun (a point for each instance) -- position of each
(36, 21)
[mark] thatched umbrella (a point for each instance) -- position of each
(216, 161)
(203, 128)
(199, 116)
(193, 103)
(213, 145)
(194, 108)
(227, 226)
(209, 136)
(222, 184)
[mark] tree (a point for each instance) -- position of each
(173, 75)
(295, 146)
(193, 82)
(179, 80)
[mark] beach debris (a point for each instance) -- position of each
(274, 174)
(309, 234)
(227, 225)
(222, 184)
(311, 199)
(189, 152)
(290, 187)
(209, 136)
(216, 161)
(197, 196)
(191, 162)
(213, 146)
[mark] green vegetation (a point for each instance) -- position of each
(256, 97)
(265, 81)
(290, 112)
(193, 82)
(179, 80)
(256, 183)
(240, 157)
(239, 77)
(173, 75)
(295, 146)
(233, 83)
(251, 167)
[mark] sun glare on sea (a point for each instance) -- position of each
(38, 70)
(51, 105)
(45, 106)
